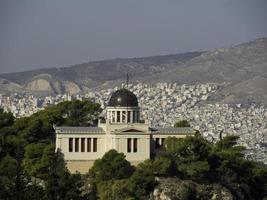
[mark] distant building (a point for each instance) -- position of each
(121, 129)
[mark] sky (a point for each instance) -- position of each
(59, 33)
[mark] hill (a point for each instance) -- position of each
(242, 68)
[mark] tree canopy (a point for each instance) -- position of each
(182, 123)
(29, 166)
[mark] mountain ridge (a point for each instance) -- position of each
(242, 67)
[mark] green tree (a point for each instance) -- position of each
(8, 167)
(141, 183)
(77, 113)
(182, 123)
(112, 165)
(159, 166)
(60, 184)
(114, 190)
(33, 159)
(190, 148)
(6, 119)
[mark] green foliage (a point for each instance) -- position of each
(190, 155)
(32, 158)
(8, 167)
(160, 166)
(109, 176)
(222, 162)
(112, 165)
(60, 184)
(113, 177)
(72, 113)
(6, 119)
(114, 190)
(196, 170)
(141, 182)
(182, 123)
(27, 154)
(31, 169)
(188, 149)
(187, 192)
(226, 142)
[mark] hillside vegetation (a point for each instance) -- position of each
(189, 168)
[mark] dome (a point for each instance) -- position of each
(123, 98)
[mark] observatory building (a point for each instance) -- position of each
(121, 130)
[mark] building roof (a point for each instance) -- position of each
(173, 130)
(77, 129)
(123, 98)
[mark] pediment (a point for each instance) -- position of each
(131, 130)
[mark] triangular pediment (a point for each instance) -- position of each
(132, 130)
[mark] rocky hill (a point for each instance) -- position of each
(174, 188)
(242, 69)
(82, 77)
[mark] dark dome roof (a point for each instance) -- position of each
(123, 97)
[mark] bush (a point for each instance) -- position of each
(141, 183)
(111, 166)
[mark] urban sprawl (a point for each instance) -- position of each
(164, 104)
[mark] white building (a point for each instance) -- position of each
(121, 129)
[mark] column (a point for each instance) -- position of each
(120, 116)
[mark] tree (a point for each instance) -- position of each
(111, 166)
(114, 190)
(76, 113)
(182, 123)
(6, 121)
(190, 148)
(7, 178)
(159, 166)
(60, 184)
(33, 159)
(141, 183)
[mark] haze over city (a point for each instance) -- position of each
(41, 34)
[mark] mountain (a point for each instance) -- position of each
(241, 68)
(83, 77)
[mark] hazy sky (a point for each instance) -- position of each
(57, 33)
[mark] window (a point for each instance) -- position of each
(129, 117)
(70, 144)
(162, 142)
(76, 144)
(94, 144)
(137, 116)
(134, 117)
(135, 145)
(129, 145)
(118, 116)
(123, 116)
(82, 144)
(88, 144)
(157, 144)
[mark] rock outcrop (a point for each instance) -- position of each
(174, 188)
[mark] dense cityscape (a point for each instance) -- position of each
(164, 104)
